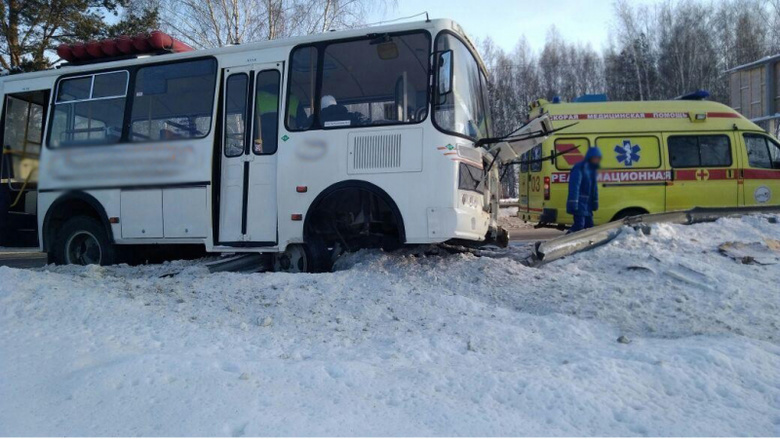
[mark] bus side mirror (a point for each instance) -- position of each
(445, 73)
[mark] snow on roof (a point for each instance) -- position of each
(762, 61)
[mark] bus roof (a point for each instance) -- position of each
(644, 116)
(434, 24)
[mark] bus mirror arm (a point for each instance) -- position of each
(527, 136)
(551, 157)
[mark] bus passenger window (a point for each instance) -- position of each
(89, 110)
(173, 101)
(235, 114)
(266, 112)
(303, 72)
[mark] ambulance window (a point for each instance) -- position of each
(757, 151)
(524, 162)
(536, 155)
(699, 151)
(774, 153)
(683, 152)
(715, 151)
(762, 151)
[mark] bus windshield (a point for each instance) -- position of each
(376, 80)
(463, 111)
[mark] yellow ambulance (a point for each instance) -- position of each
(658, 156)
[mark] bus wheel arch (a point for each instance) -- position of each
(628, 212)
(64, 211)
(353, 214)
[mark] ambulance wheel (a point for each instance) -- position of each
(625, 213)
(82, 241)
(303, 258)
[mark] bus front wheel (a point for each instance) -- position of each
(82, 240)
(312, 257)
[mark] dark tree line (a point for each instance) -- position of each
(31, 30)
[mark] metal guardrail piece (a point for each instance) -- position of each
(566, 245)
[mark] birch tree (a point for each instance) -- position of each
(215, 23)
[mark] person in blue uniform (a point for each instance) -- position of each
(583, 197)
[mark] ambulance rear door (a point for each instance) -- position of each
(523, 178)
(535, 177)
(704, 170)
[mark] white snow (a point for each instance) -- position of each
(409, 343)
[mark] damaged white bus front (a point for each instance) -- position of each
(461, 111)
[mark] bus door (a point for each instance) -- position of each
(704, 171)
(247, 202)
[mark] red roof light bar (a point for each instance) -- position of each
(140, 44)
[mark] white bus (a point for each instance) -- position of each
(301, 148)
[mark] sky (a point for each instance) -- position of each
(586, 21)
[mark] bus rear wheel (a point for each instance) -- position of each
(82, 241)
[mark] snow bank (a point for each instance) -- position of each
(411, 343)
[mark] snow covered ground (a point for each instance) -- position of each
(409, 343)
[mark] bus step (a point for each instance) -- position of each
(20, 230)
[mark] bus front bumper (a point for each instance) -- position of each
(448, 223)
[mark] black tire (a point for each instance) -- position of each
(82, 240)
(625, 213)
(312, 257)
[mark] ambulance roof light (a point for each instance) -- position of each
(698, 95)
(588, 98)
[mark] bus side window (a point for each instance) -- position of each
(266, 112)
(303, 73)
(89, 110)
(235, 114)
(173, 101)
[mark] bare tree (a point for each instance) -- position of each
(213, 23)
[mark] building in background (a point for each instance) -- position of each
(753, 91)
